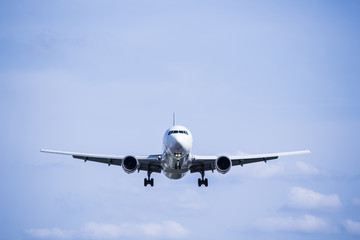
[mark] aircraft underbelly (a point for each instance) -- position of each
(174, 175)
(171, 172)
(171, 164)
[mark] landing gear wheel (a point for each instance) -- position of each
(202, 181)
(148, 180)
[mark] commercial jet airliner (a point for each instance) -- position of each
(176, 159)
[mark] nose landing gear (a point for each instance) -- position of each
(202, 180)
(178, 165)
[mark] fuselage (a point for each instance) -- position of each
(176, 158)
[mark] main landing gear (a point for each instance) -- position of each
(149, 180)
(202, 180)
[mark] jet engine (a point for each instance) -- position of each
(130, 164)
(223, 164)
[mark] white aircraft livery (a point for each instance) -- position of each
(176, 159)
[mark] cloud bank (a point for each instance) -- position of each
(278, 169)
(352, 227)
(307, 199)
(306, 223)
(95, 230)
(49, 233)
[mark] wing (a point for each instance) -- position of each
(207, 163)
(146, 163)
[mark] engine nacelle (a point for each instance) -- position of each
(130, 164)
(223, 164)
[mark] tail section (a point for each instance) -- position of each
(174, 122)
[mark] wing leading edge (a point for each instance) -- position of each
(207, 163)
(146, 163)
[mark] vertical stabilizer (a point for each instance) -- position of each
(174, 119)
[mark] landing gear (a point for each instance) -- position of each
(202, 180)
(148, 180)
(177, 165)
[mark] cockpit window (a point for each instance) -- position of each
(177, 131)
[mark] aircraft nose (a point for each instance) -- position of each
(180, 145)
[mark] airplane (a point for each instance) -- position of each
(176, 159)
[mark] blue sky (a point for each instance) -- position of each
(245, 77)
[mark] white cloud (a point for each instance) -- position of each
(307, 168)
(49, 233)
(258, 170)
(167, 229)
(95, 230)
(277, 169)
(102, 230)
(308, 199)
(352, 227)
(306, 223)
